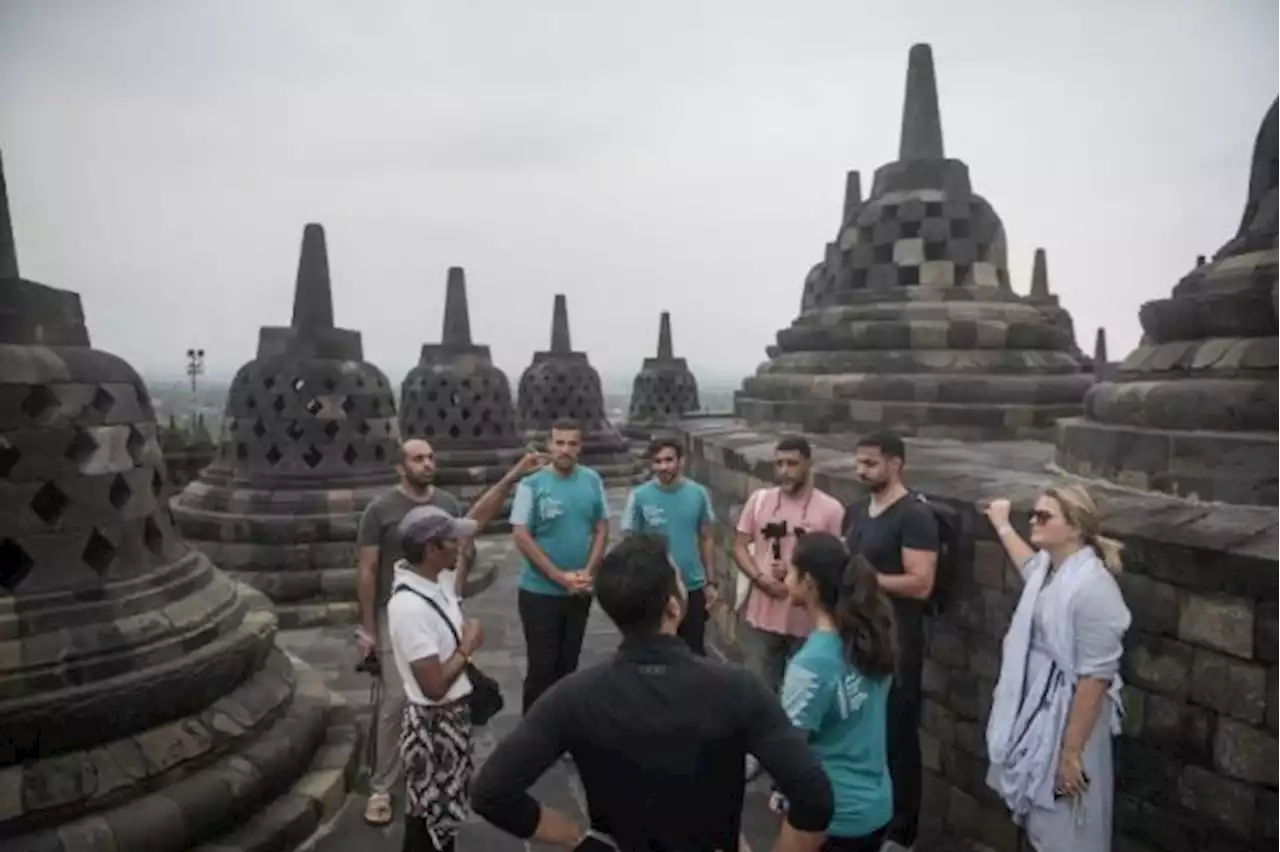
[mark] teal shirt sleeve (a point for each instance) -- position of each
(708, 513)
(631, 520)
(602, 501)
(808, 690)
(522, 505)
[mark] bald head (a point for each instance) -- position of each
(416, 464)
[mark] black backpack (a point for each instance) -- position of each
(948, 521)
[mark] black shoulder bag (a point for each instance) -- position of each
(486, 696)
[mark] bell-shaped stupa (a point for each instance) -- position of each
(143, 703)
(459, 401)
(561, 384)
(310, 438)
(1192, 411)
(918, 329)
(664, 390)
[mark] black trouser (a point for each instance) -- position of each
(553, 629)
(417, 838)
(903, 736)
(866, 843)
(693, 627)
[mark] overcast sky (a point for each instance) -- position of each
(164, 155)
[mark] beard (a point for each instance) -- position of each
(420, 480)
(875, 487)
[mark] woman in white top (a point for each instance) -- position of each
(432, 645)
(1057, 704)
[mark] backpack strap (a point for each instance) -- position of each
(457, 640)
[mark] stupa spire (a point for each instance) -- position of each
(921, 122)
(852, 194)
(1040, 276)
(665, 349)
(313, 294)
(457, 318)
(1100, 348)
(8, 248)
(560, 343)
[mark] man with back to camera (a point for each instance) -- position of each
(658, 734)
(898, 535)
(380, 549)
(560, 524)
(678, 509)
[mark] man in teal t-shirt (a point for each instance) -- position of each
(844, 713)
(679, 509)
(560, 523)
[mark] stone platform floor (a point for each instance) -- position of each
(331, 650)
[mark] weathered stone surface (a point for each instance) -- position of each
(459, 401)
(311, 437)
(663, 391)
(1195, 765)
(562, 384)
(1193, 410)
(910, 321)
(119, 644)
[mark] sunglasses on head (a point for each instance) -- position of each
(1040, 516)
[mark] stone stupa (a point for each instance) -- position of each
(311, 438)
(663, 391)
(143, 702)
(919, 329)
(561, 384)
(1192, 411)
(459, 401)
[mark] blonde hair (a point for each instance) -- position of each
(1079, 510)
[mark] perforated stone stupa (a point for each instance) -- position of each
(663, 390)
(311, 437)
(143, 703)
(562, 384)
(917, 328)
(1192, 410)
(459, 401)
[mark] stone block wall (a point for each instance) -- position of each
(1196, 766)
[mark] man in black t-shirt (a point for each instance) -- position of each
(898, 535)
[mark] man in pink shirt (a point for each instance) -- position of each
(772, 520)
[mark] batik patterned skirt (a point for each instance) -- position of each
(435, 745)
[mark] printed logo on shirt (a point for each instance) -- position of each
(653, 516)
(549, 508)
(851, 695)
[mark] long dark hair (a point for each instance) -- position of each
(848, 591)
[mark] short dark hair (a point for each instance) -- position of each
(634, 583)
(566, 424)
(661, 442)
(886, 442)
(795, 444)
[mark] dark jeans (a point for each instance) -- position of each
(867, 843)
(417, 838)
(553, 629)
(903, 738)
(693, 628)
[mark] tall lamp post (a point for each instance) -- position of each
(195, 368)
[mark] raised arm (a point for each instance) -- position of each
(1020, 553)
(500, 792)
(488, 504)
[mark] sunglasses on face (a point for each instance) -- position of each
(1040, 516)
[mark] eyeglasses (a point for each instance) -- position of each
(1040, 516)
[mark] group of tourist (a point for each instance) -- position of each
(663, 738)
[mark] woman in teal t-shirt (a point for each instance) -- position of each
(837, 685)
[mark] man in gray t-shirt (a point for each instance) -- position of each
(379, 551)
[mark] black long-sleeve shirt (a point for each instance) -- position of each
(659, 737)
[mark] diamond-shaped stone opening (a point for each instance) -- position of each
(274, 455)
(15, 564)
(349, 405)
(98, 552)
(9, 455)
(242, 452)
(379, 453)
(364, 427)
(332, 429)
(269, 382)
(313, 406)
(312, 456)
(82, 446)
(157, 483)
(278, 405)
(251, 404)
(349, 455)
(330, 384)
(258, 428)
(102, 401)
(135, 444)
(120, 492)
(294, 430)
(152, 537)
(49, 503)
(454, 431)
(39, 402)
